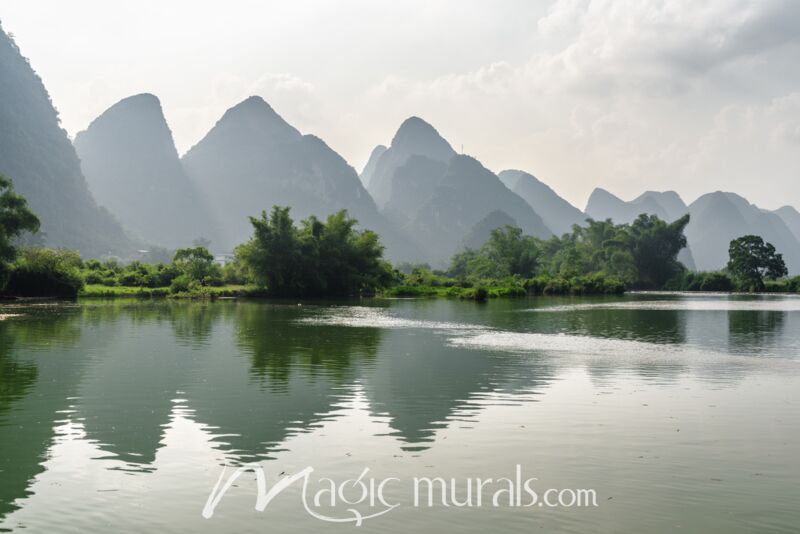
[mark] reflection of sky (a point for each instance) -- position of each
(447, 384)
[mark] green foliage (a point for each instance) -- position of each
(654, 246)
(15, 218)
(600, 257)
(481, 294)
(43, 272)
(405, 267)
(752, 260)
(703, 281)
(197, 263)
(183, 284)
(318, 258)
(592, 284)
(198, 292)
(235, 272)
(506, 253)
(111, 273)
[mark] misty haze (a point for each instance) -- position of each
(426, 239)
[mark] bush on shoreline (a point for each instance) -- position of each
(42, 272)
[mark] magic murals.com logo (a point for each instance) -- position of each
(365, 496)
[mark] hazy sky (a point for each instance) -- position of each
(624, 94)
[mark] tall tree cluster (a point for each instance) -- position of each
(317, 257)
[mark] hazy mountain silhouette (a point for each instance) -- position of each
(372, 163)
(482, 231)
(791, 217)
(467, 193)
(414, 137)
(666, 205)
(669, 201)
(130, 162)
(37, 156)
(413, 182)
(604, 205)
(558, 214)
(252, 159)
(718, 218)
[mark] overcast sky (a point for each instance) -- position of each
(623, 94)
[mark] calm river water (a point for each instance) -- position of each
(679, 413)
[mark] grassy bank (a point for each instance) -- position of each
(101, 291)
(439, 286)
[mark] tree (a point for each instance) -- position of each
(752, 260)
(319, 258)
(197, 264)
(655, 245)
(506, 253)
(273, 254)
(44, 272)
(15, 218)
(513, 253)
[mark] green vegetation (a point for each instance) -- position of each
(753, 266)
(599, 258)
(318, 258)
(333, 258)
(15, 219)
(192, 273)
(95, 290)
(704, 281)
(43, 272)
(752, 261)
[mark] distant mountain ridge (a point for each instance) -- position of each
(790, 217)
(604, 205)
(428, 200)
(467, 193)
(716, 219)
(481, 231)
(372, 163)
(36, 154)
(436, 196)
(253, 159)
(666, 205)
(720, 217)
(413, 137)
(558, 214)
(130, 162)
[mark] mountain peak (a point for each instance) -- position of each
(600, 201)
(254, 104)
(415, 136)
(139, 113)
(252, 122)
(600, 192)
(141, 99)
(372, 164)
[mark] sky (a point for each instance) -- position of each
(621, 94)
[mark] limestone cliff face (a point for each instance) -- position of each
(558, 214)
(37, 156)
(130, 162)
(252, 159)
(719, 217)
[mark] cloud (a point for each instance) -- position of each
(632, 95)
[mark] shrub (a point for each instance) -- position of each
(481, 294)
(181, 284)
(716, 281)
(42, 272)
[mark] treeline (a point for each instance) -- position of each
(332, 257)
(599, 258)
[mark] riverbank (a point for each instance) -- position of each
(226, 291)
(439, 287)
